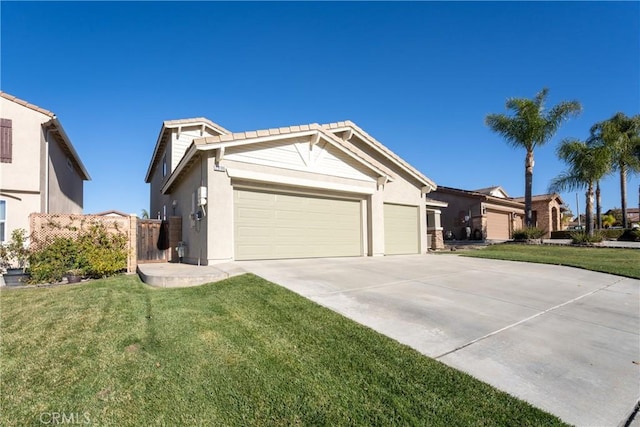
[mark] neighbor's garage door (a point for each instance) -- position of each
(497, 225)
(401, 230)
(274, 225)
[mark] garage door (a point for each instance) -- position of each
(401, 229)
(272, 225)
(497, 225)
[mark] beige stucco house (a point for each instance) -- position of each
(298, 191)
(487, 213)
(491, 214)
(40, 171)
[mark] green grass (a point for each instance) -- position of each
(623, 262)
(238, 352)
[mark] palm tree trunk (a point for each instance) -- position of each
(598, 207)
(528, 183)
(623, 193)
(589, 210)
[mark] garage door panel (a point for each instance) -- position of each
(272, 225)
(401, 230)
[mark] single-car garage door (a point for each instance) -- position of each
(273, 225)
(497, 225)
(401, 229)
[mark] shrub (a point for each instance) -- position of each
(528, 233)
(583, 238)
(105, 253)
(96, 253)
(630, 235)
(51, 262)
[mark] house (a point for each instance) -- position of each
(113, 213)
(40, 171)
(547, 210)
(291, 192)
(483, 214)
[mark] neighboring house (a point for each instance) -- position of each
(292, 192)
(633, 216)
(487, 213)
(113, 212)
(40, 170)
(546, 212)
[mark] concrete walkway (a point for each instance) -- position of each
(171, 275)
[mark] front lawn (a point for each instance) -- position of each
(238, 352)
(623, 262)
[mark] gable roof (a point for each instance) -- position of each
(492, 190)
(348, 125)
(327, 132)
(542, 198)
(26, 104)
(161, 142)
(313, 130)
(479, 196)
(55, 128)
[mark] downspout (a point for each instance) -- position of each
(46, 172)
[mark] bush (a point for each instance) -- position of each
(51, 263)
(630, 235)
(528, 233)
(96, 253)
(104, 253)
(583, 238)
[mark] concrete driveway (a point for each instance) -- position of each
(566, 340)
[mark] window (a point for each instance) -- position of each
(3, 219)
(164, 166)
(6, 141)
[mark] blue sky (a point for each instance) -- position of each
(420, 77)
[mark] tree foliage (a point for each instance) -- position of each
(586, 165)
(621, 136)
(531, 126)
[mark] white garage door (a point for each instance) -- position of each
(273, 225)
(401, 230)
(497, 225)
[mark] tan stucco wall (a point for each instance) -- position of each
(24, 171)
(22, 182)
(65, 184)
(157, 200)
(194, 232)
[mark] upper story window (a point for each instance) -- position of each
(164, 166)
(3, 219)
(6, 141)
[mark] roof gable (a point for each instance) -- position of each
(164, 136)
(495, 191)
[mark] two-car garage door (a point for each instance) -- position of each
(274, 225)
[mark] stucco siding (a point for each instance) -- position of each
(23, 173)
(65, 184)
(194, 231)
(17, 211)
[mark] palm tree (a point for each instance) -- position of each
(528, 128)
(621, 134)
(587, 164)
